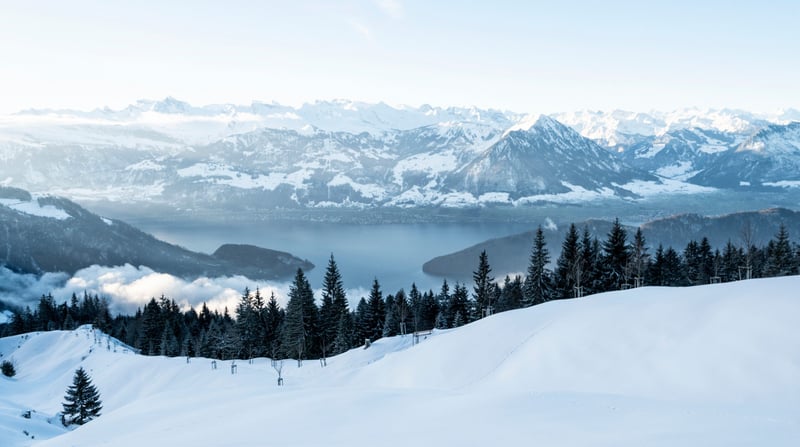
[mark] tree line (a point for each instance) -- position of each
(260, 327)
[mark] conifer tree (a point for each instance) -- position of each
(375, 313)
(334, 303)
(299, 338)
(274, 321)
(569, 266)
(459, 305)
(443, 317)
(780, 260)
(615, 257)
(539, 282)
(639, 258)
(482, 291)
(591, 272)
(82, 401)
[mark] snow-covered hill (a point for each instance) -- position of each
(357, 155)
(707, 366)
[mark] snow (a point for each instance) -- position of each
(784, 184)
(681, 170)
(370, 191)
(6, 316)
(429, 163)
(226, 175)
(145, 165)
(34, 208)
(665, 186)
(703, 366)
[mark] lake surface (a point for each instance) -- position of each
(392, 253)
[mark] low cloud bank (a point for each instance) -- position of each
(128, 288)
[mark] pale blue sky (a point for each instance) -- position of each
(527, 56)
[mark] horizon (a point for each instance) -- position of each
(396, 106)
(534, 58)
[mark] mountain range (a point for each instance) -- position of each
(344, 154)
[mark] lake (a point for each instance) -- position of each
(392, 253)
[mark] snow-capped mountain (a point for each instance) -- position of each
(679, 154)
(351, 154)
(771, 157)
(546, 158)
(620, 128)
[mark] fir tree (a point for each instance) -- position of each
(334, 303)
(615, 257)
(459, 305)
(639, 259)
(590, 273)
(82, 401)
(301, 321)
(569, 266)
(345, 334)
(375, 313)
(482, 291)
(539, 282)
(780, 260)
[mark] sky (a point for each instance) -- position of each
(525, 56)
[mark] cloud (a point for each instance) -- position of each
(25, 290)
(129, 288)
(550, 225)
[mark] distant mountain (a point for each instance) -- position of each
(51, 234)
(352, 155)
(679, 154)
(511, 254)
(545, 158)
(770, 157)
(619, 129)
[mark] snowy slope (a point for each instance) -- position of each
(705, 366)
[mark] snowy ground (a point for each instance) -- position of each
(707, 366)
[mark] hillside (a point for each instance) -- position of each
(705, 366)
(510, 254)
(52, 234)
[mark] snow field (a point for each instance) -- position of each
(706, 366)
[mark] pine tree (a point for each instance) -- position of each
(274, 321)
(482, 291)
(569, 265)
(376, 313)
(780, 260)
(591, 272)
(334, 303)
(459, 305)
(345, 334)
(639, 259)
(301, 322)
(82, 400)
(674, 271)
(539, 282)
(615, 257)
